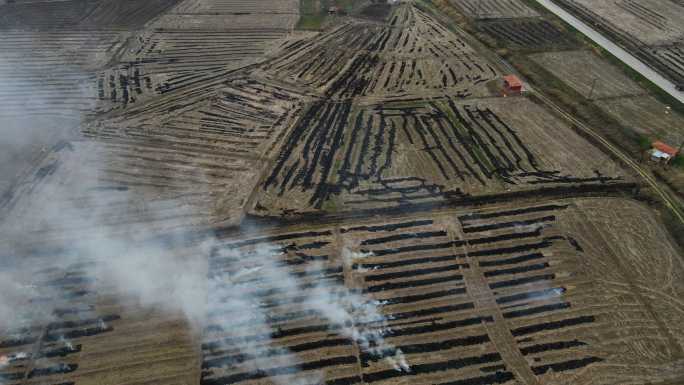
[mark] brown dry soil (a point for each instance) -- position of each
(376, 157)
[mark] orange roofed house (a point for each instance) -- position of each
(512, 85)
(662, 152)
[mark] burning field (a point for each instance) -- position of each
(208, 197)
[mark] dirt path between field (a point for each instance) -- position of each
(498, 331)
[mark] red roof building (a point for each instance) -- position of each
(664, 148)
(512, 84)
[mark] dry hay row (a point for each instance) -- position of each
(190, 172)
(48, 14)
(246, 114)
(199, 151)
(401, 16)
(82, 14)
(163, 61)
(168, 51)
(185, 93)
(533, 34)
(381, 60)
(51, 73)
(516, 266)
(126, 14)
(315, 63)
(483, 9)
(237, 7)
(673, 58)
(463, 145)
(52, 351)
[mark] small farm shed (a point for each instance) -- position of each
(512, 84)
(661, 152)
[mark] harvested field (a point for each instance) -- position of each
(672, 56)
(650, 29)
(52, 73)
(494, 9)
(652, 22)
(409, 54)
(230, 15)
(49, 14)
(417, 153)
(579, 70)
(647, 116)
(93, 336)
(158, 62)
(513, 295)
(226, 202)
(528, 34)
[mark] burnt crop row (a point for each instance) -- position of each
(527, 34)
(291, 338)
(51, 350)
(81, 14)
(525, 281)
(367, 59)
(492, 9)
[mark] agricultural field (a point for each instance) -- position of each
(580, 69)
(495, 9)
(198, 194)
(445, 149)
(546, 292)
(651, 29)
(527, 34)
(647, 116)
(542, 293)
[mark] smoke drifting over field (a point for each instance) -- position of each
(67, 215)
(71, 212)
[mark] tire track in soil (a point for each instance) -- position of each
(350, 283)
(498, 331)
(678, 353)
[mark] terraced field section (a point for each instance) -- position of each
(549, 293)
(398, 154)
(652, 30)
(376, 134)
(75, 71)
(410, 54)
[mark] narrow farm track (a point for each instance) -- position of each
(672, 203)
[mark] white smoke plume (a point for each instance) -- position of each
(170, 273)
(360, 318)
(111, 235)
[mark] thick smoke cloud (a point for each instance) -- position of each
(110, 235)
(167, 271)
